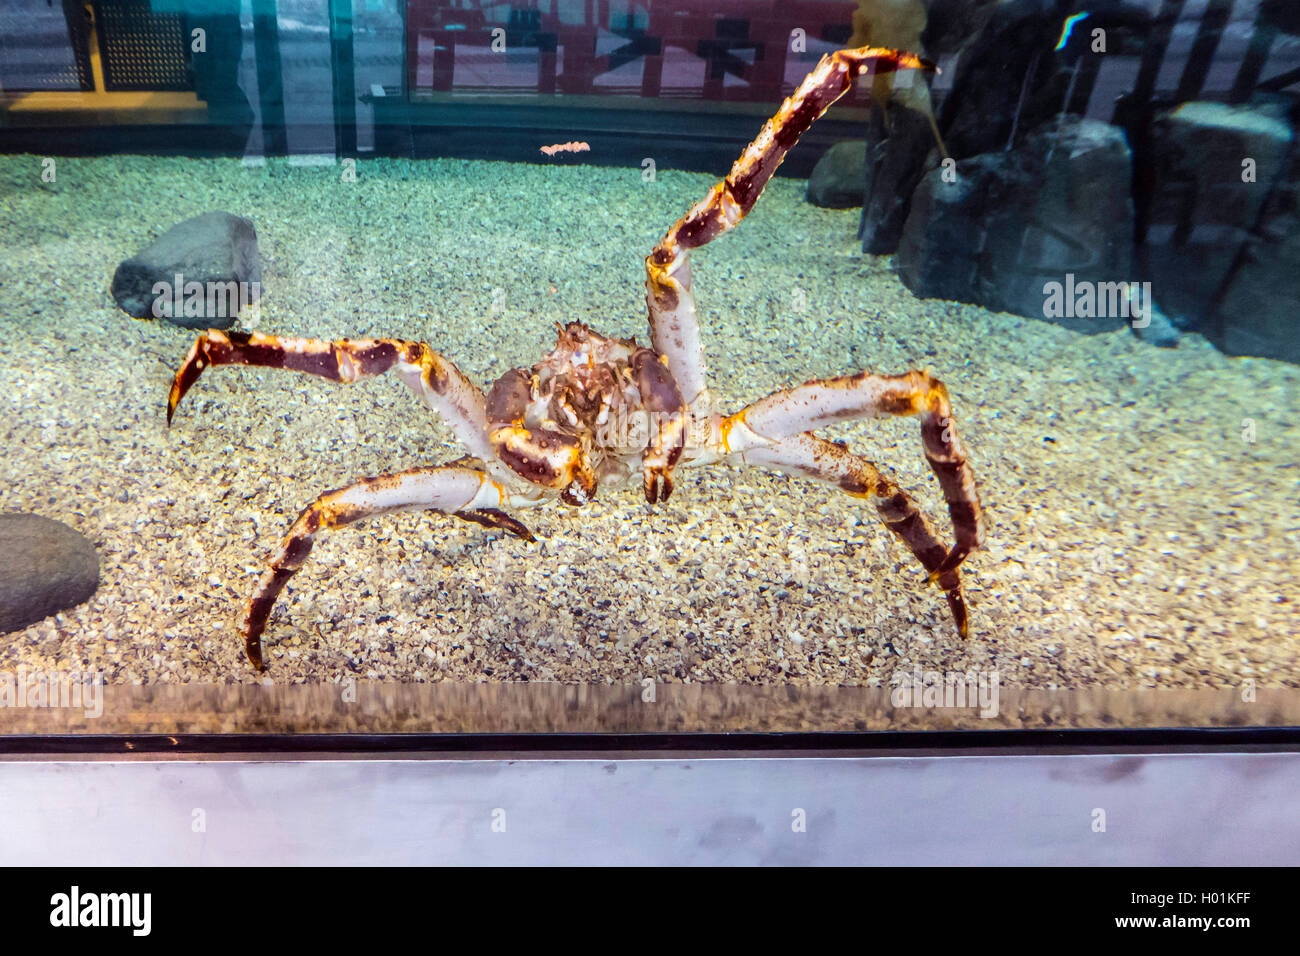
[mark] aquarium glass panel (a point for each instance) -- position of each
(461, 366)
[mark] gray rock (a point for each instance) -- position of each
(941, 253)
(1283, 15)
(1259, 313)
(1159, 330)
(1013, 75)
(1201, 213)
(216, 250)
(1058, 210)
(899, 146)
(951, 24)
(839, 180)
(45, 567)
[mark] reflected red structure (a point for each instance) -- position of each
(708, 49)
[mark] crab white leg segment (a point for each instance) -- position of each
(674, 326)
(463, 492)
(438, 382)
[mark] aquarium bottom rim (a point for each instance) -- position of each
(1036, 741)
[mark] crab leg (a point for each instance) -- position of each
(674, 326)
(662, 398)
(463, 492)
(823, 402)
(808, 456)
(439, 383)
(776, 421)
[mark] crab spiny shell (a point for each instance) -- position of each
(588, 386)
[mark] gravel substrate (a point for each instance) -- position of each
(1134, 538)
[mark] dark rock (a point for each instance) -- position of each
(1157, 329)
(1201, 214)
(45, 567)
(212, 250)
(1259, 311)
(942, 251)
(839, 179)
(1056, 211)
(1283, 15)
(897, 159)
(1009, 78)
(951, 24)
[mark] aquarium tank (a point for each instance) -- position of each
(627, 366)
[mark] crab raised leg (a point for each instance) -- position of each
(776, 432)
(464, 492)
(439, 383)
(674, 326)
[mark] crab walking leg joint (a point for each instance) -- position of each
(674, 326)
(463, 492)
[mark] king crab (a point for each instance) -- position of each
(597, 410)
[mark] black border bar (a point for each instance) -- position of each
(1082, 740)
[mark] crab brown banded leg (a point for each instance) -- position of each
(463, 492)
(808, 456)
(438, 382)
(674, 327)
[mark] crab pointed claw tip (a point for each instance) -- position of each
(253, 624)
(658, 484)
(957, 604)
(963, 625)
(887, 59)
